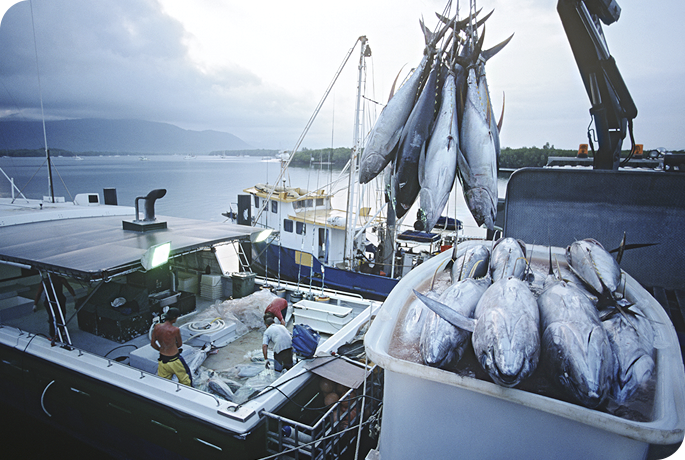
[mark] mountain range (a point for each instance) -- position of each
(114, 136)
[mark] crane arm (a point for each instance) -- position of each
(613, 109)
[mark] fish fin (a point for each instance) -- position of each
(472, 58)
(394, 83)
(501, 117)
(621, 249)
(487, 54)
(461, 25)
(463, 164)
(395, 142)
(428, 36)
(435, 275)
(446, 313)
(453, 258)
(529, 270)
(482, 20)
(623, 246)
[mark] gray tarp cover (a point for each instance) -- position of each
(93, 247)
(339, 370)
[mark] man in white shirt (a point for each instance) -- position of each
(278, 335)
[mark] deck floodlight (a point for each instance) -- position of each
(260, 236)
(156, 255)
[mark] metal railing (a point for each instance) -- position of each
(335, 433)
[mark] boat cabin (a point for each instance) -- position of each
(306, 220)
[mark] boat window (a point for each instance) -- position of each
(300, 228)
(297, 204)
(274, 206)
(256, 201)
(319, 201)
(310, 203)
(288, 225)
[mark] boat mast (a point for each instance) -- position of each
(354, 155)
(42, 111)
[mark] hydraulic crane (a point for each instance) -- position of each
(613, 109)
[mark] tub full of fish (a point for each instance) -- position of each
(510, 350)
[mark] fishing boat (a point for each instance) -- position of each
(96, 378)
(313, 243)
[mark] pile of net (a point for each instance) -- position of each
(247, 312)
(238, 383)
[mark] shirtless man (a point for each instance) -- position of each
(166, 338)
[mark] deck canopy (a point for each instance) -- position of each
(97, 248)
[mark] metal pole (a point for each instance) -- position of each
(354, 158)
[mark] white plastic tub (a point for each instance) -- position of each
(322, 317)
(433, 413)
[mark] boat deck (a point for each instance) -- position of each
(238, 352)
(226, 357)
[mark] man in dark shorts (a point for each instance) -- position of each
(166, 338)
(278, 335)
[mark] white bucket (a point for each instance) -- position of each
(434, 413)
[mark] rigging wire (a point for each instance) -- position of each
(63, 183)
(313, 117)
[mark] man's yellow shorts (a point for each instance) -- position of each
(176, 366)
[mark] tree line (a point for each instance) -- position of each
(510, 158)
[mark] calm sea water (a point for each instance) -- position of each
(202, 187)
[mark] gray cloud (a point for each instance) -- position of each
(121, 59)
(128, 59)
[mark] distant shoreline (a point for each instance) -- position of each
(509, 160)
(32, 153)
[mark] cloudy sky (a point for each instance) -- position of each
(259, 69)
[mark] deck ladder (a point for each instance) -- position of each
(58, 319)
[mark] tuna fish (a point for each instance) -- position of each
(414, 319)
(438, 166)
(413, 143)
(479, 140)
(384, 139)
(473, 263)
(441, 342)
(590, 262)
(506, 336)
(575, 348)
(633, 346)
(508, 259)
(478, 156)
(383, 142)
(220, 388)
